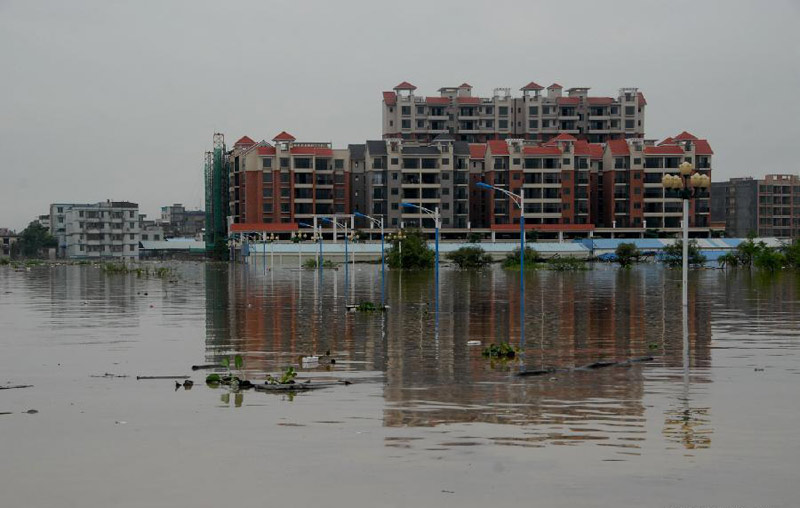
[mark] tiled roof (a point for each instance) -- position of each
(266, 150)
(465, 85)
(618, 147)
(642, 100)
(477, 151)
(311, 150)
(532, 86)
(244, 140)
(390, 98)
(668, 141)
(284, 136)
(554, 85)
(376, 147)
(405, 85)
(468, 100)
(592, 150)
(685, 136)
(562, 137)
(437, 100)
(356, 151)
(541, 150)
(701, 147)
(498, 147)
(569, 101)
(599, 101)
(663, 150)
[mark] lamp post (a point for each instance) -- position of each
(341, 225)
(379, 223)
(398, 237)
(436, 222)
(688, 186)
(519, 200)
(302, 237)
(272, 238)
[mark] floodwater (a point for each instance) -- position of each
(426, 421)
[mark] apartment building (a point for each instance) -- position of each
(108, 229)
(286, 181)
(538, 114)
(735, 203)
(569, 184)
(177, 221)
(779, 206)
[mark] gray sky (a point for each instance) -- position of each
(109, 99)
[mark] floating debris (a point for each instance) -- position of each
(12, 387)
(162, 377)
(208, 366)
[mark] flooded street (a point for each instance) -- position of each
(427, 420)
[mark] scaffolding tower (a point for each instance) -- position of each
(217, 198)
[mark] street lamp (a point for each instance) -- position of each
(379, 223)
(272, 238)
(341, 225)
(317, 237)
(298, 238)
(398, 237)
(519, 200)
(688, 186)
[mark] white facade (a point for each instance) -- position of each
(107, 229)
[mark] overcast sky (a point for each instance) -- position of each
(108, 99)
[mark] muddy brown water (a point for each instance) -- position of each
(427, 420)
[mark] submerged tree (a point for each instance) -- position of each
(414, 253)
(627, 254)
(470, 257)
(33, 240)
(673, 254)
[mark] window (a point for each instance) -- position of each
(132, 235)
(130, 214)
(445, 162)
(533, 110)
(285, 192)
(268, 192)
(394, 192)
(533, 124)
(405, 110)
(284, 207)
(285, 177)
(420, 110)
(80, 214)
(420, 124)
(284, 162)
(395, 161)
(267, 207)
(565, 162)
(637, 161)
(406, 124)
(445, 176)
(338, 163)
(394, 175)
(515, 162)
(391, 123)
(630, 110)
(629, 124)
(503, 124)
(266, 177)
(266, 163)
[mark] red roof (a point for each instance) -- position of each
(390, 98)
(468, 100)
(642, 101)
(685, 136)
(266, 150)
(244, 140)
(498, 147)
(599, 101)
(532, 86)
(554, 85)
(618, 147)
(592, 150)
(405, 85)
(251, 227)
(569, 101)
(437, 100)
(541, 150)
(283, 136)
(701, 147)
(668, 141)
(311, 150)
(663, 150)
(562, 137)
(477, 151)
(465, 85)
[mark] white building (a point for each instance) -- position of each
(108, 229)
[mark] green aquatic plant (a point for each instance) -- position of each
(532, 259)
(470, 257)
(287, 377)
(566, 264)
(502, 350)
(312, 263)
(366, 307)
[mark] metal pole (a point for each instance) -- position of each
(685, 278)
(522, 269)
(299, 252)
(383, 270)
(271, 254)
(320, 248)
(436, 223)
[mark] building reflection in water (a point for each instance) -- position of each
(571, 319)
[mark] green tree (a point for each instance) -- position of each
(792, 253)
(34, 240)
(470, 257)
(532, 259)
(627, 254)
(673, 254)
(415, 252)
(769, 259)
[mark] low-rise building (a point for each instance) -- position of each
(109, 229)
(7, 240)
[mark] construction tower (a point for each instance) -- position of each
(217, 199)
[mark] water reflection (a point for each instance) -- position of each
(431, 376)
